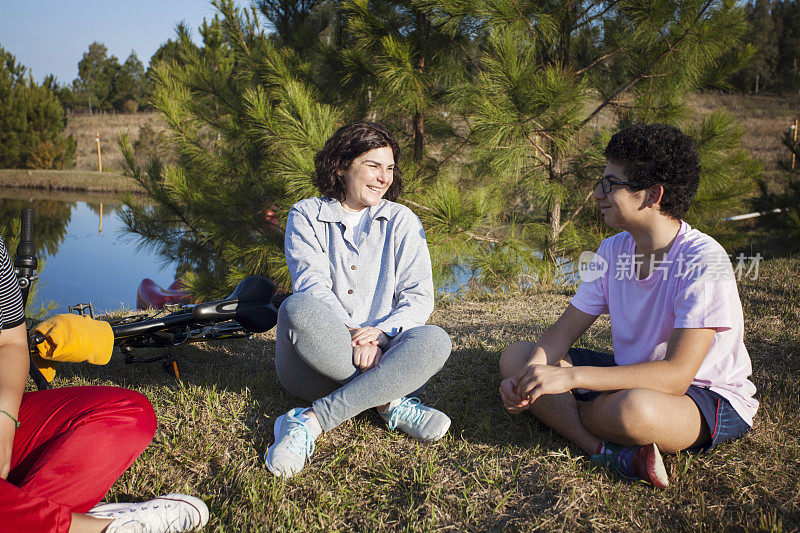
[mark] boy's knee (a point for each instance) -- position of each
(637, 414)
(514, 357)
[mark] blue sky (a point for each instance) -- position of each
(50, 36)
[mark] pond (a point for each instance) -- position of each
(84, 253)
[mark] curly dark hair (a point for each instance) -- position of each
(659, 154)
(343, 147)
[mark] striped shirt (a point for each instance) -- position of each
(12, 313)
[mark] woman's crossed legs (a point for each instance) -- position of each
(314, 361)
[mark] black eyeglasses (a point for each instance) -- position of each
(607, 183)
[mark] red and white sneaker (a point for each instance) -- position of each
(642, 462)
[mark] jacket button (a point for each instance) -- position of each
(350, 291)
(352, 267)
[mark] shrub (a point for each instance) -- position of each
(32, 121)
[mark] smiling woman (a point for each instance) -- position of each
(353, 334)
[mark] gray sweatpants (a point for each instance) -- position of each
(314, 361)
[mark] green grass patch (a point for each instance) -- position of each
(493, 471)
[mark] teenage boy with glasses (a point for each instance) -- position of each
(678, 376)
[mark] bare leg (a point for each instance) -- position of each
(558, 411)
(641, 416)
(628, 417)
(82, 523)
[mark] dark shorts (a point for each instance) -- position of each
(722, 420)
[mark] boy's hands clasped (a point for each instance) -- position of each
(520, 391)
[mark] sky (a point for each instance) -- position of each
(50, 37)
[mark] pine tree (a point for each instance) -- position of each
(557, 78)
(96, 73)
(761, 73)
(402, 59)
(246, 131)
(504, 106)
(128, 86)
(32, 121)
(790, 200)
(786, 14)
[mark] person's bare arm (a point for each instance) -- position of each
(554, 343)
(14, 361)
(549, 350)
(686, 349)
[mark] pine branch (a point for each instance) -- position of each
(468, 233)
(599, 59)
(653, 63)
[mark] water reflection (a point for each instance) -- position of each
(84, 253)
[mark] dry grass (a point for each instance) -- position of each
(764, 118)
(493, 471)
(85, 129)
(68, 180)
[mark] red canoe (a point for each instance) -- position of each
(151, 295)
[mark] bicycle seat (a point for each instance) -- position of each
(250, 304)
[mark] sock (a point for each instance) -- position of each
(601, 448)
(312, 423)
(391, 405)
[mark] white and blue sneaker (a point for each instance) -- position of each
(416, 420)
(295, 434)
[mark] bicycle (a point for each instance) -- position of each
(251, 308)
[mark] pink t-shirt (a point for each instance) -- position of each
(694, 287)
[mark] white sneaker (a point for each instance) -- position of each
(295, 434)
(129, 526)
(173, 513)
(417, 420)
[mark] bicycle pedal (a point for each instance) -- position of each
(170, 366)
(80, 309)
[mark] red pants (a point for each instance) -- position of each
(71, 445)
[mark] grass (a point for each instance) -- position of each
(68, 180)
(493, 471)
(86, 128)
(763, 117)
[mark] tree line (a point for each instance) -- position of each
(32, 121)
(774, 37)
(103, 84)
(32, 115)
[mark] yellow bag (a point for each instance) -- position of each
(72, 338)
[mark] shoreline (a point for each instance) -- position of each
(69, 181)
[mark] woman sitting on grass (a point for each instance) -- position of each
(62, 449)
(677, 379)
(352, 336)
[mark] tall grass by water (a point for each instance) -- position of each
(492, 471)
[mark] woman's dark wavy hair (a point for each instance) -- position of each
(659, 154)
(343, 147)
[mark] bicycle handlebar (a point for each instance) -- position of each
(25, 261)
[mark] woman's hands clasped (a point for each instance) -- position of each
(367, 343)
